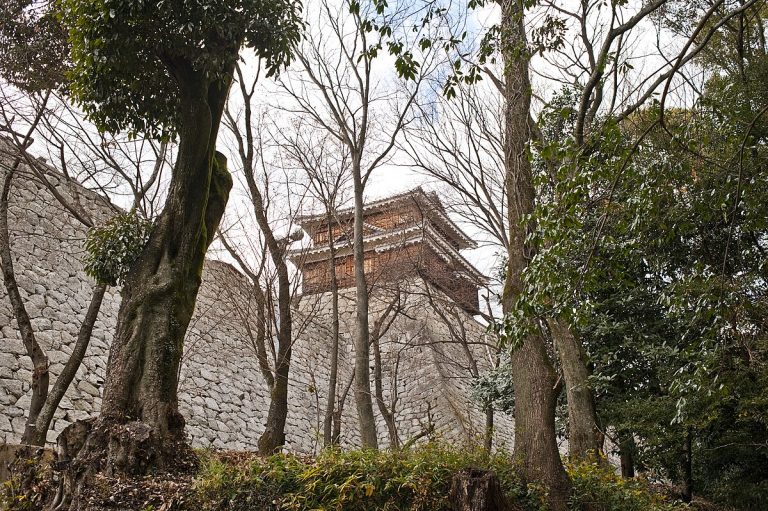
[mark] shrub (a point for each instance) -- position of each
(31, 481)
(417, 479)
(599, 488)
(113, 247)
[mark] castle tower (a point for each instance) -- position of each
(406, 235)
(423, 299)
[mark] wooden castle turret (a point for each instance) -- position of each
(406, 235)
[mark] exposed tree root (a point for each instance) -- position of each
(93, 455)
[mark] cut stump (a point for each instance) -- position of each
(474, 489)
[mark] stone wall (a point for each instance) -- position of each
(223, 394)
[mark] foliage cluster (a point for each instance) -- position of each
(414, 479)
(126, 76)
(113, 247)
(359, 480)
(600, 489)
(34, 53)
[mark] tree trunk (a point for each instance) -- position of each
(534, 377)
(140, 428)
(387, 414)
(44, 403)
(40, 374)
(160, 293)
(334, 369)
(477, 490)
(626, 455)
(535, 440)
(70, 368)
(585, 439)
(488, 440)
(363, 399)
(337, 414)
(687, 493)
(273, 437)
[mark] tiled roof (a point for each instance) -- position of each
(430, 203)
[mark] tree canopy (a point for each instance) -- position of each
(125, 53)
(34, 53)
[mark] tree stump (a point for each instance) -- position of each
(474, 489)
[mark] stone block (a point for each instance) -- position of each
(212, 404)
(12, 387)
(88, 388)
(18, 423)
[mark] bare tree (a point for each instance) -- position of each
(326, 164)
(245, 127)
(459, 143)
(396, 300)
(472, 347)
(337, 91)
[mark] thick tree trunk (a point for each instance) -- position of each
(534, 377)
(334, 369)
(140, 428)
(585, 439)
(159, 296)
(363, 399)
(535, 439)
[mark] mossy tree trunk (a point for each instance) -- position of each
(140, 428)
(159, 296)
(533, 373)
